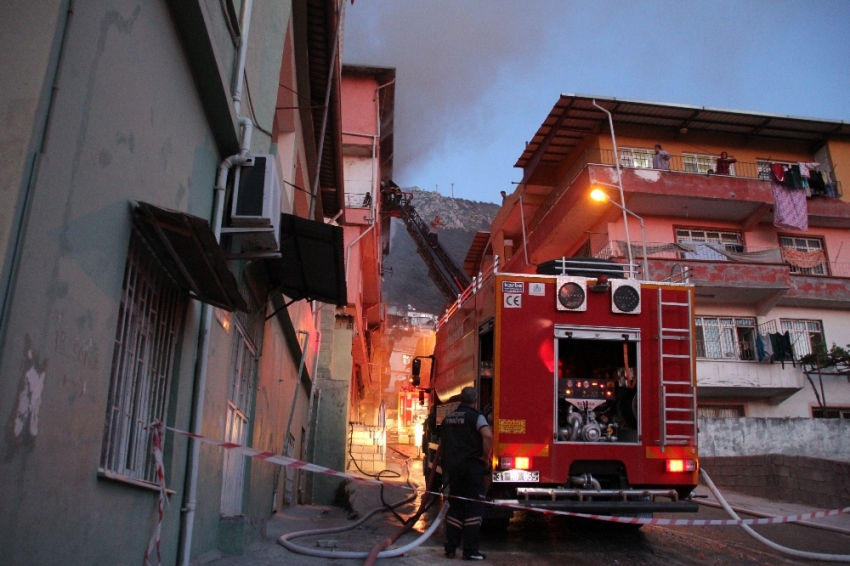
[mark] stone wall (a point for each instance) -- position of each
(798, 460)
(797, 479)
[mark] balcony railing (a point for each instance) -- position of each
(695, 164)
(719, 349)
(358, 200)
(712, 251)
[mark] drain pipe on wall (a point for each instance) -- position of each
(202, 360)
(348, 250)
(203, 350)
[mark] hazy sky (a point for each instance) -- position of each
(476, 78)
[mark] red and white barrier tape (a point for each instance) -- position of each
(291, 462)
(156, 448)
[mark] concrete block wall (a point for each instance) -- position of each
(797, 479)
(368, 449)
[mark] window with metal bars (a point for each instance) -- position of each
(698, 163)
(726, 338)
(707, 243)
(721, 411)
(636, 158)
(151, 311)
(805, 335)
(831, 412)
(807, 246)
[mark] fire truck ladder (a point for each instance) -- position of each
(677, 392)
(449, 278)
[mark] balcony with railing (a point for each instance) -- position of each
(704, 165)
(745, 196)
(733, 361)
(358, 208)
(733, 274)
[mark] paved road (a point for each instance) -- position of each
(546, 540)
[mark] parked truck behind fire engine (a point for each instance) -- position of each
(588, 380)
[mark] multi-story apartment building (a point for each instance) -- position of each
(762, 236)
(173, 249)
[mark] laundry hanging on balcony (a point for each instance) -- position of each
(782, 349)
(790, 209)
(803, 260)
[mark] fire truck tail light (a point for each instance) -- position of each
(681, 465)
(514, 463)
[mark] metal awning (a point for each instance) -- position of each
(188, 250)
(311, 263)
(574, 116)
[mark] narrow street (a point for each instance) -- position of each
(540, 539)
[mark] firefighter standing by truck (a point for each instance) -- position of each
(466, 441)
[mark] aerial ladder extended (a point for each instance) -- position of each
(449, 278)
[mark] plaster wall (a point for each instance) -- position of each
(815, 438)
(29, 47)
(116, 135)
(127, 125)
(839, 154)
(359, 175)
(359, 109)
(332, 418)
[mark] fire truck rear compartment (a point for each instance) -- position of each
(597, 390)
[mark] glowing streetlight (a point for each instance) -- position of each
(600, 195)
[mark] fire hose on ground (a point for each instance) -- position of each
(763, 540)
(379, 551)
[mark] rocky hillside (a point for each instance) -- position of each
(409, 284)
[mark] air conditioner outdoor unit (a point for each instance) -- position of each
(256, 205)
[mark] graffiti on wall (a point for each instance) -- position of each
(22, 427)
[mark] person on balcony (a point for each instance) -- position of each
(661, 159)
(723, 163)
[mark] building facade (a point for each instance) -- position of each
(762, 235)
(173, 250)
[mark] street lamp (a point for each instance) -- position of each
(599, 195)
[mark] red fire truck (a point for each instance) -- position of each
(588, 379)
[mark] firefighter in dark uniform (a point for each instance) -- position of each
(466, 439)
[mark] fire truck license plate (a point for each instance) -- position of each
(516, 475)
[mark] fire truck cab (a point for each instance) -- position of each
(588, 380)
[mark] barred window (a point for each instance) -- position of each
(151, 310)
(637, 158)
(831, 412)
(707, 243)
(808, 246)
(726, 338)
(805, 335)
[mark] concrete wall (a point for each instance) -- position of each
(827, 439)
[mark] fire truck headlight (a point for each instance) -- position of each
(681, 465)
